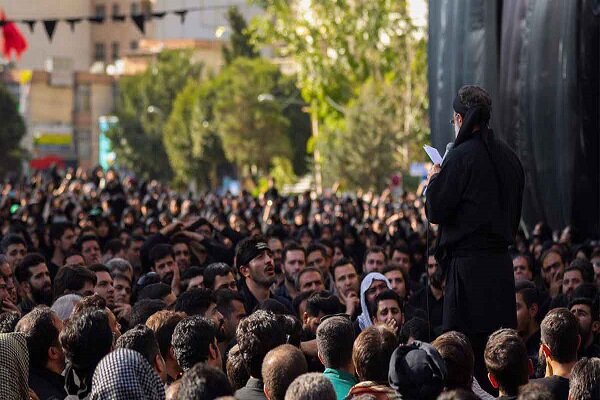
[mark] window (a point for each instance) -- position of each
(115, 51)
(99, 52)
(115, 9)
(100, 11)
(133, 45)
(135, 8)
(84, 144)
(82, 98)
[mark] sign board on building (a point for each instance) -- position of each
(61, 71)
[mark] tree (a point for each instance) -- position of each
(253, 131)
(240, 44)
(194, 149)
(12, 130)
(144, 104)
(337, 46)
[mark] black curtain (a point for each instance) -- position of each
(545, 92)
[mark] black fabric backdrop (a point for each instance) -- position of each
(539, 59)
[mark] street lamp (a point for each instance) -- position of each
(314, 123)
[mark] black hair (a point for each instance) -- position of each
(593, 305)
(58, 229)
(86, 238)
(387, 294)
(204, 382)
(72, 278)
(291, 246)
(528, 291)
(213, 270)
(41, 334)
(323, 303)
(195, 301)
(560, 332)
(256, 335)
(192, 339)
(335, 338)
(86, 338)
(224, 299)
(416, 328)
(159, 252)
(342, 261)
(317, 247)
(99, 268)
(584, 267)
(144, 309)
(11, 239)
(22, 271)
(506, 359)
(154, 291)
(141, 339)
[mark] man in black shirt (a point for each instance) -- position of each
(528, 306)
(560, 341)
(433, 306)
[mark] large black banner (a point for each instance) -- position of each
(540, 62)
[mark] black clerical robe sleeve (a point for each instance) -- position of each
(445, 190)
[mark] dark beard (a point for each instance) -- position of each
(42, 296)
(167, 278)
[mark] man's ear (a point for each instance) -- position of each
(595, 327)
(320, 357)
(305, 318)
(530, 369)
(25, 288)
(266, 392)
(493, 381)
(578, 342)
(159, 364)
(245, 271)
(533, 310)
(547, 351)
(54, 353)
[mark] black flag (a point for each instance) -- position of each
(181, 14)
(31, 23)
(159, 15)
(49, 25)
(72, 22)
(139, 21)
(118, 18)
(96, 20)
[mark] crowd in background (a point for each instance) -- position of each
(114, 288)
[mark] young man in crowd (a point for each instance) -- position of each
(293, 261)
(280, 367)
(62, 237)
(74, 280)
(14, 248)
(388, 310)
(310, 279)
(104, 284)
(231, 305)
(347, 285)
(41, 328)
(219, 276)
(507, 363)
(375, 260)
(431, 297)
(335, 338)
(317, 256)
(195, 340)
(560, 342)
(141, 339)
(586, 312)
(163, 325)
(585, 380)
(528, 309)
(89, 247)
(34, 282)
(163, 263)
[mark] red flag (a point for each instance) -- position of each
(13, 39)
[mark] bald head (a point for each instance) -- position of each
(280, 367)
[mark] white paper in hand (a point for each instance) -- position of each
(433, 154)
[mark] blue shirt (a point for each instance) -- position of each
(341, 380)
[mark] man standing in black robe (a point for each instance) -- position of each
(475, 196)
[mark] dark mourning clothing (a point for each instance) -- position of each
(26, 306)
(557, 385)
(52, 269)
(252, 391)
(46, 384)
(533, 347)
(432, 313)
(250, 302)
(282, 291)
(478, 217)
(591, 351)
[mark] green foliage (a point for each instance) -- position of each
(282, 172)
(143, 106)
(339, 46)
(240, 44)
(253, 132)
(12, 130)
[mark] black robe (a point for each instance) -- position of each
(476, 200)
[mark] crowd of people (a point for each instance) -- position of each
(113, 288)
